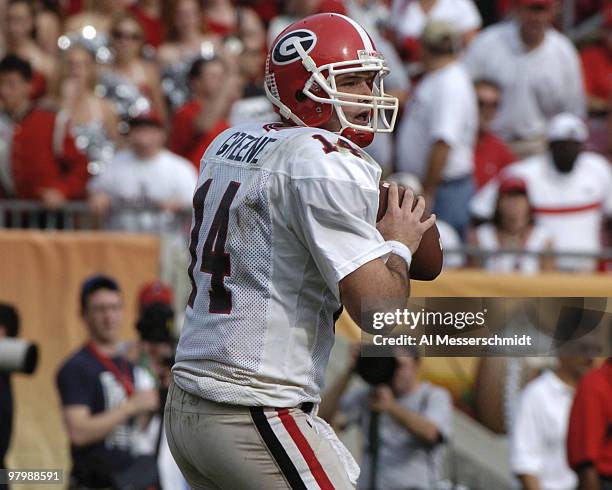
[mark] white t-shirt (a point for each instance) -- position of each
(536, 85)
(409, 20)
(135, 183)
(570, 206)
(538, 437)
(443, 108)
(537, 241)
(281, 216)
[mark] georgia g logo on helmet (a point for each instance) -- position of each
(284, 52)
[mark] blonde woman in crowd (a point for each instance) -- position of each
(130, 73)
(186, 40)
(91, 119)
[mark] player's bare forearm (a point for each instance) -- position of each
(435, 165)
(529, 482)
(414, 423)
(385, 286)
(589, 479)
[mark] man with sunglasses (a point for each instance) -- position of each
(538, 70)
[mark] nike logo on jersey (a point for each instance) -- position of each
(242, 147)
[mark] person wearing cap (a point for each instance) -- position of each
(437, 133)
(512, 227)
(144, 181)
(101, 392)
(597, 69)
(538, 70)
(569, 189)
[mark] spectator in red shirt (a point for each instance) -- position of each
(38, 157)
(597, 71)
(490, 154)
(214, 88)
(589, 441)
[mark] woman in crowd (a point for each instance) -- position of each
(512, 228)
(186, 42)
(20, 42)
(91, 119)
(47, 24)
(131, 81)
(233, 23)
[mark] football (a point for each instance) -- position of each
(427, 261)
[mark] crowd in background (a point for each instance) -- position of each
(113, 103)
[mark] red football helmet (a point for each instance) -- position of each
(301, 71)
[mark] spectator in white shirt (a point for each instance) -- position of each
(436, 137)
(538, 438)
(145, 185)
(570, 191)
(538, 70)
(512, 228)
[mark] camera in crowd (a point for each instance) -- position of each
(16, 355)
(377, 364)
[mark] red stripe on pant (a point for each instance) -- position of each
(307, 453)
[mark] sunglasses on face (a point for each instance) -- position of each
(130, 36)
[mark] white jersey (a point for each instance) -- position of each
(281, 215)
(570, 206)
(536, 85)
(443, 108)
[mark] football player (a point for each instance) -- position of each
(284, 234)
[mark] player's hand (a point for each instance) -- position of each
(381, 399)
(402, 223)
(143, 401)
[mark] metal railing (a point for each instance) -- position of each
(77, 215)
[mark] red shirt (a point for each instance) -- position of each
(589, 436)
(597, 70)
(152, 26)
(185, 140)
(34, 163)
(490, 155)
